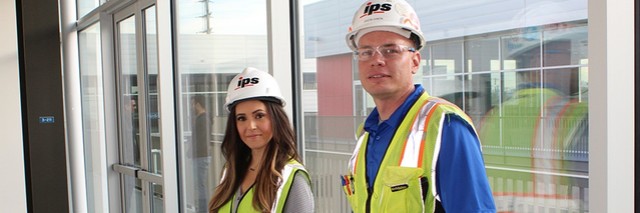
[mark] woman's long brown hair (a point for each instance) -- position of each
(280, 150)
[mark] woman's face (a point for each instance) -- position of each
(254, 124)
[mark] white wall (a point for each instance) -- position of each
(611, 115)
(13, 195)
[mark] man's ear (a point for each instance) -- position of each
(415, 62)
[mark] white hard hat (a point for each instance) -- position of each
(384, 15)
(252, 83)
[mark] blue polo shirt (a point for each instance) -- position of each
(380, 133)
(460, 190)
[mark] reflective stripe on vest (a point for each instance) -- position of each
(288, 175)
(412, 152)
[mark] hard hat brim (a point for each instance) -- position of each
(353, 37)
(276, 100)
(396, 30)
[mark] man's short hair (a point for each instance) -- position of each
(415, 39)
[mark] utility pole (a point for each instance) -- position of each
(206, 16)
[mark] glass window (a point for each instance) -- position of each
(215, 41)
(92, 96)
(565, 44)
(309, 81)
(482, 55)
(482, 92)
(520, 50)
(129, 118)
(447, 58)
(86, 6)
(153, 118)
(519, 70)
(448, 87)
(329, 139)
(426, 63)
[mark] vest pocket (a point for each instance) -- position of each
(349, 190)
(401, 190)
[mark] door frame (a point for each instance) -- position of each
(166, 108)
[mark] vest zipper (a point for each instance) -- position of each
(369, 194)
(369, 189)
(384, 156)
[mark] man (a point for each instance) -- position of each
(200, 150)
(130, 150)
(415, 153)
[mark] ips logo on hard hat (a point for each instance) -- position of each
(376, 8)
(247, 82)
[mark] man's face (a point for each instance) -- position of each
(385, 77)
(194, 106)
(132, 105)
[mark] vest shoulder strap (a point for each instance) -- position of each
(288, 174)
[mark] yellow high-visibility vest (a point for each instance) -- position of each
(407, 172)
(246, 202)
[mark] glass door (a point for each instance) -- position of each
(140, 140)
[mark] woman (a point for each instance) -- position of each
(262, 171)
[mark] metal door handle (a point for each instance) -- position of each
(126, 170)
(138, 173)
